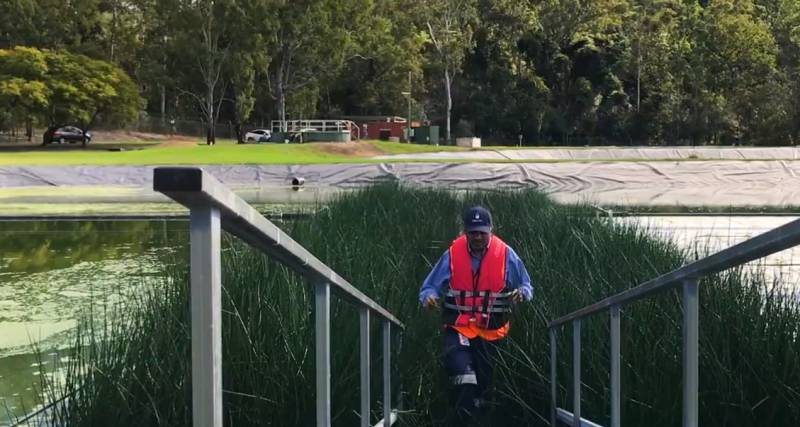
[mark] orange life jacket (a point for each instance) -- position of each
(477, 303)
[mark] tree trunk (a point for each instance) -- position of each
(210, 137)
(638, 75)
(163, 102)
(281, 100)
(447, 83)
(237, 129)
(28, 128)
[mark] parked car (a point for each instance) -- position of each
(62, 134)
(258, 135)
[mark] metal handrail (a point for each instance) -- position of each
(688, 276)
(214, 207)
(301, 125)
(352, 126)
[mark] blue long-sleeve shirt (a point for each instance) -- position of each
(439, 278)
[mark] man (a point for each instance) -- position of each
(478, 278)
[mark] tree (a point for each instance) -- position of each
(243, 85)
(310, 42)
(736, 68)
(498, 91)
(450, 26)
(249, 53)
(388, 46)
(24, 92)
(20, 26)
(60, 87)
(200, 44)
(84, 89)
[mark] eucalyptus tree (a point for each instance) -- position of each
(451, 25)
(120, 24)
(249, 54)
(20, 26)
(735, 66)
(374, 76)
(498, 91)
(574, 61)
(158, 58)
(657, 43)
(308, 44)
(783, 19)
(202, 46)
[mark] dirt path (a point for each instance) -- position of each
(352, 149)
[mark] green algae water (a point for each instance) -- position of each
(54, 272)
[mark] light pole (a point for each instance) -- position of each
(408, 118)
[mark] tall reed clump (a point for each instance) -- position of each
(384, 240)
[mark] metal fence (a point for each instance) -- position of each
(179, 126)
(687, 277)
(214, 207)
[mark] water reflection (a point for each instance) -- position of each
(52, 272)
(36, 246)
(711, 233)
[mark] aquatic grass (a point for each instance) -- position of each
(384, 239)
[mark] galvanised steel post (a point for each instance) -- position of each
(322, 330)
(576, 372)
(553, 352)
(364, 343)
(615, 372)
(206, 317)
(691, 347)
(387, 379)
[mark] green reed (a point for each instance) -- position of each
(133, 368)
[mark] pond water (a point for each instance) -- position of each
(52, 272)
(711, 233)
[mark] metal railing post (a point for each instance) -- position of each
(322, 315)
(365, 399)
(691, 321)
(553, 384)
(576, 372)
(615, 372)
(206, 317)
(215, 207)
(387, 378)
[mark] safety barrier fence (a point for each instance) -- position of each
(687, 277)
(213, 207)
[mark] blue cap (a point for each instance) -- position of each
(477, 218)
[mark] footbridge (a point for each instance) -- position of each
(213, 207)
(687, 278)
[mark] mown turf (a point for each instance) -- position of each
(225, 152)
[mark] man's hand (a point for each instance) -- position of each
(431, 302)
(516, 296)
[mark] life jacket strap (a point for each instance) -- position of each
(479, 309)
(469, 294)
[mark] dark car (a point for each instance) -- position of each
(62, 134)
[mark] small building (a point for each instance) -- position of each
(381, 127)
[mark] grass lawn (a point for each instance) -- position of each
(225, 152)
(195, 152)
